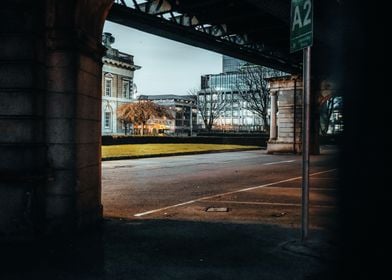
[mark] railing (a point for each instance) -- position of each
(117, 55)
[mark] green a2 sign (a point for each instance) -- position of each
(301, 24)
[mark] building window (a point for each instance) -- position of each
(108, 87)
(125, 89)
(108, 119)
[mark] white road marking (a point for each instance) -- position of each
(165, 208)
(227, 193)
(277, 162)
(299, 188)
(268, 203)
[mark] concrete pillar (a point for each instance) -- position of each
(190, 119)
(50, 87)
(288, 137)
(73, 113)
(273, 127)
(22, 118)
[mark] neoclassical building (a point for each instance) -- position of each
(117, 85)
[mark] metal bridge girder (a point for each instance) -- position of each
(170, 14)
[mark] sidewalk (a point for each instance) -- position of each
(166, 250)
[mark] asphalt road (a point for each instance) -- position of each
(134, 188)
(257, 238)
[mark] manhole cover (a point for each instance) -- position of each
(217, 209)
(280, 214)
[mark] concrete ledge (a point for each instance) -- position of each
(319, 249)
(179, 154)
(283, 147)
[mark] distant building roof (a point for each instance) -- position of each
(114, 56)
(282, 78)
(167, 96)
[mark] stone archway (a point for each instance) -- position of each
(50, 115)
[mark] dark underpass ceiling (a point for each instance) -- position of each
(252, 30)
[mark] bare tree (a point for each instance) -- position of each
(210, 105)
(252, 87)
(140, 112)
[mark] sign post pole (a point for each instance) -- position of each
(301, 37)
(305, 143)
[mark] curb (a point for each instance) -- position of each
(314, 249)
(181, 154)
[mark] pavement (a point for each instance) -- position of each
(171, 249)
(258, 237)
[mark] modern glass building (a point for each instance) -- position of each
(236, 116)
(223, 82)
(230, 64)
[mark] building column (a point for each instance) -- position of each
(73, 113)
(22, 113)
(273, 131)
(190, 120)
(50, 114)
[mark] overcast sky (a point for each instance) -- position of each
(168, 67)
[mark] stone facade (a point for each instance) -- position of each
(286, 115)
(117, 85)
(50, 116)
(183, 109)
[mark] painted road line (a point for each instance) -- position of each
(298, 188)
(278, 162)
(227, 193)
(164, 208)
(268, 203)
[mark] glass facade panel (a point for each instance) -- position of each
(231, 64)
(230, 82)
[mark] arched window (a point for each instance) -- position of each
(108, 84)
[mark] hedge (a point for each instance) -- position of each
(247, 141)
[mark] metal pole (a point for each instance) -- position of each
(305, 143)
(190, 118)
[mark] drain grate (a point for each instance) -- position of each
(217, 209)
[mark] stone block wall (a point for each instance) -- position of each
(50, 113)
(22, 118)
(289, 114)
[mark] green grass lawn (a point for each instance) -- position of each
(139, 150)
